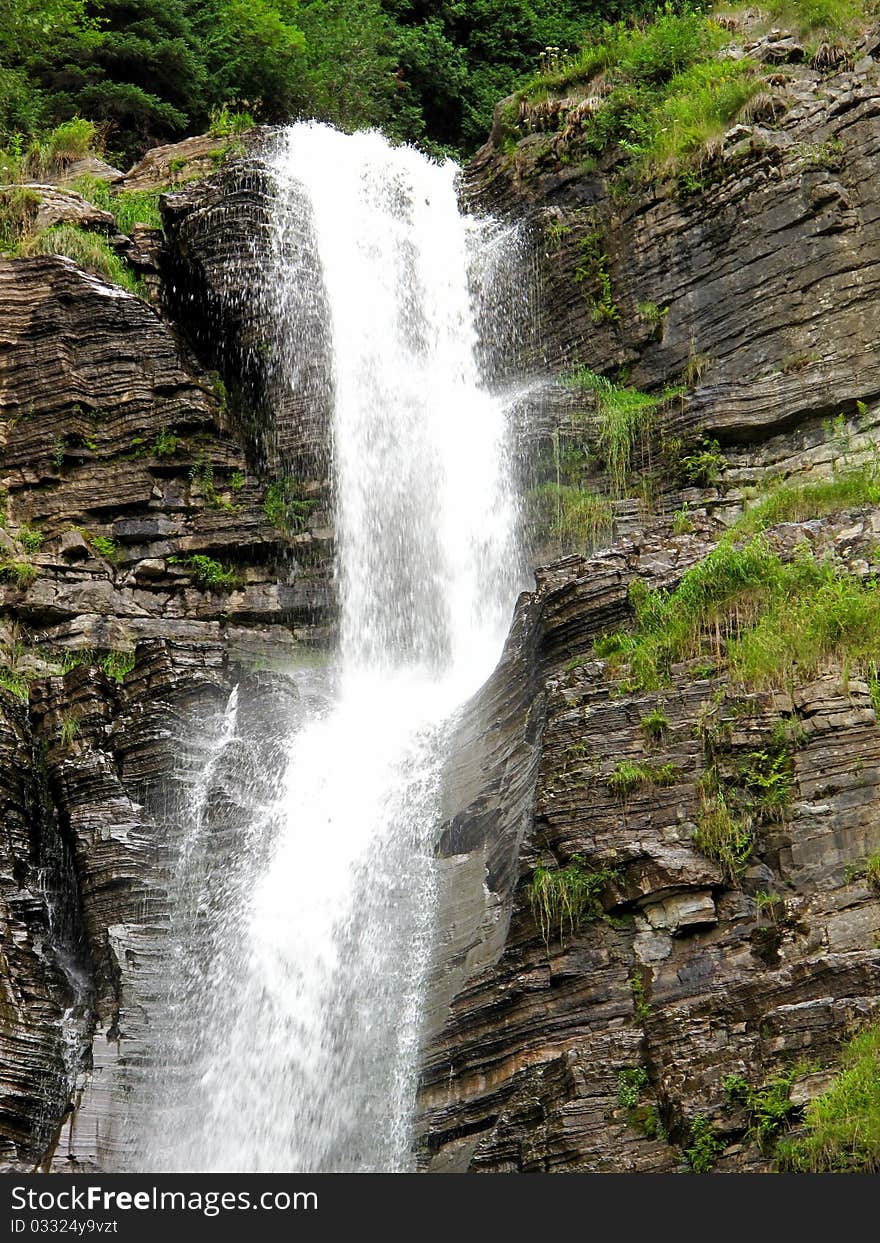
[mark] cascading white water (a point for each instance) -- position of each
(307, 1055)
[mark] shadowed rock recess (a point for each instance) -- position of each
(151, 561)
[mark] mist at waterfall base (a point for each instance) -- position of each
(299, 969)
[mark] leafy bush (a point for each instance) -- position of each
(207, 572)
(285, 508)
(705, 1148)
(103, 546)
(631, 1083)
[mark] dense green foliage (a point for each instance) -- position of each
(148, 71)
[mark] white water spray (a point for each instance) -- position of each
(308, 1055)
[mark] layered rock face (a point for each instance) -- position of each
(150, 565)
(148, 569)
(597, 1044)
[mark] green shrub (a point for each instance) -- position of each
(21, 573)
(705, 1148)
(166, 444)
(843, 1125)
(100, 544)
(681, 522)
(207, 572)
(702, 466)
(631, 1083)
(567, 896)
(285, 508)
(770, 1108)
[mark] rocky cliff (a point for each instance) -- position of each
(604, 969)
(151, 560)
(612, 994)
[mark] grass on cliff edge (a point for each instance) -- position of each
(129, 207)
(773, 622)
(88, 250)
(662, 95)
(842, 1127)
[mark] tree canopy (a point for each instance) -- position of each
(150, 71)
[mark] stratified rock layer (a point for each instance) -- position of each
(758, 295)
(139, 530)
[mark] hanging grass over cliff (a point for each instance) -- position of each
(569, 896)
(772, 622)
(626, 420)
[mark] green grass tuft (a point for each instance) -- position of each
(208, 573)
(578, 518)
(567, 896)
(843, 1125)
(88, 250)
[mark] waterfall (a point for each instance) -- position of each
(309, 1013)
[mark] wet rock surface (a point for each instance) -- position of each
(146, 574)
(761, 284)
